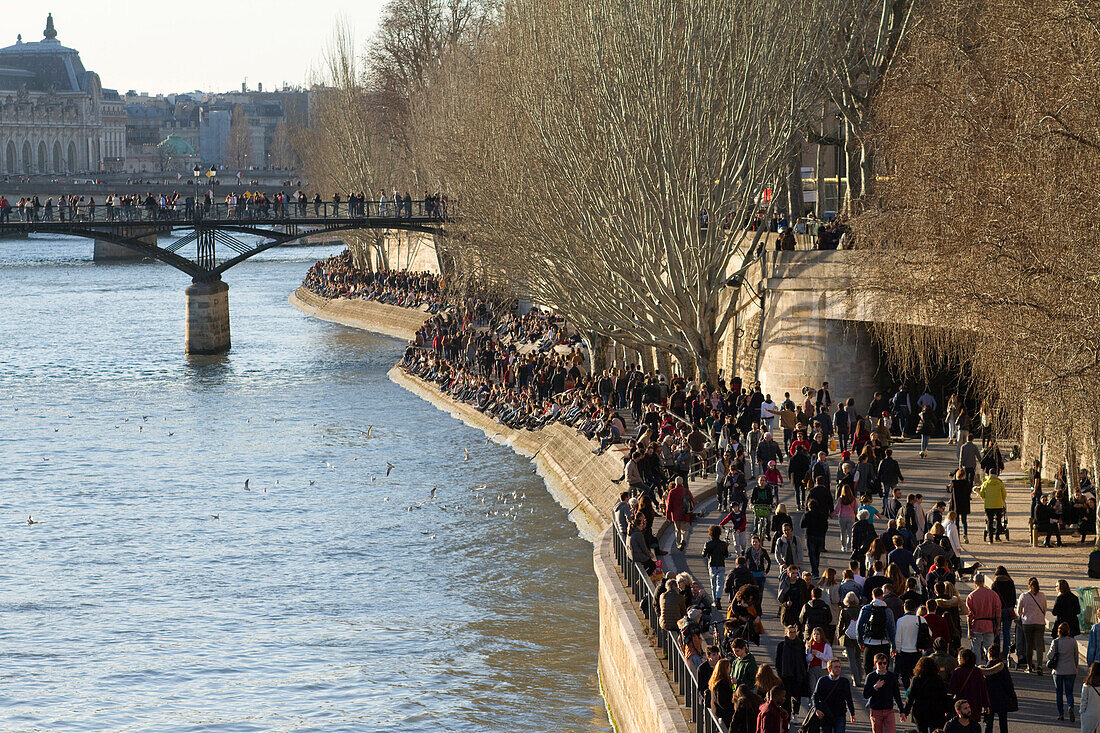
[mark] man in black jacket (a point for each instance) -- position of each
(889, 473)
(791, 666)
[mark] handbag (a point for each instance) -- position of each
(1052, 656)
(811, 723)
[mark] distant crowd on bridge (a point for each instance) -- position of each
(248, 205)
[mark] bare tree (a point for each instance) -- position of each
(865, 41)
(984, 225)
(604, 135)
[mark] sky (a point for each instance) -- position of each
(180, 47)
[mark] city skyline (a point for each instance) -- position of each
(270, 44)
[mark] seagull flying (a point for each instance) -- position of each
(389, 467)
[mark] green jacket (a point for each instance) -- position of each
(993, 492)
(743, 670)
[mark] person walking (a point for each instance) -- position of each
(1031, 608)
(815, 526)
(832, 696)
(1002, 693)
(983, 613)
(773, 718)
(927, 699)
(1005, 588)
(1090, 700)
(721, 692)
(678, 507)
(792, 667)
(964, 720)
(716, 550)
(848, 634)
(969, 456)
(1067, 609)
(927, 427)
(968, 683)
(1062, 659)
(994, 495)
(961, 490)
(1092, 652)
(882, 693)
(875, 627)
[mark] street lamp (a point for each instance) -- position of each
(196, 177)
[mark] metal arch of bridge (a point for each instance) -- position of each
(214, 233)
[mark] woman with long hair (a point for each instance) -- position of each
(1090, 700)
(830, 593)
(845, 514)
(848, 634)
(766, 679)
(1067, 609)
(949, 602)
(876, 552)
(961, 491)
(721, 692)
(1062, 657)
(927, 698)
(746, 707)
(1031, 608)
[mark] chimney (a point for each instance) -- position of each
(260, 87)
(244, 87)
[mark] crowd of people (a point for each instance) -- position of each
(890, 626)
(175, 205)
(913, 643)
(338, 277)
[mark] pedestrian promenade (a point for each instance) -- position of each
(929, 476)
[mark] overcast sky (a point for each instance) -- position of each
(159, 47)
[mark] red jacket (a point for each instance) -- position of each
(772, 719)
(674, 504)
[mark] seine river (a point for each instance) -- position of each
(156, 593)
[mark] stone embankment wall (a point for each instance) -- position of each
(638, 694)
(388, 320)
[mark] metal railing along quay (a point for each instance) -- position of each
(684, 682)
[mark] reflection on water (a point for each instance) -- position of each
(158, 594)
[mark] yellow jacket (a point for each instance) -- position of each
(993, 492)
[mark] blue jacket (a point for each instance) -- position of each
(863, 623)
(1093, 653)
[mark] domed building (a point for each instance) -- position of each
(55, 116)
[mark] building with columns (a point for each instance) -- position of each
(55, 116)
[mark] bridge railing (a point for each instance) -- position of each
(270, 212)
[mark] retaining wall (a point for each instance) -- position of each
(637, 691)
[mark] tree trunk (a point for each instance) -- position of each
(664, 363)
(795, 203)
(597, 352)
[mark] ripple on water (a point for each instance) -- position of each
(305, 607)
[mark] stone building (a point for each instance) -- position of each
(52, 110)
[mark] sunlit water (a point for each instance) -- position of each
(157, 594)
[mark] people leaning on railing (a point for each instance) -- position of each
(187, 205)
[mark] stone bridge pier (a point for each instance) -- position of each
(809, 332)
(207, 328)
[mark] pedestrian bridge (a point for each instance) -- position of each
(204, 241)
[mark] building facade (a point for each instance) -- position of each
(52, 111)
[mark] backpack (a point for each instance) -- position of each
(924, 635)
(1094, 564)
(876, 625)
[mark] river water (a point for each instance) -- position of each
(156, 593)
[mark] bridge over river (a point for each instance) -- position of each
(205, 241)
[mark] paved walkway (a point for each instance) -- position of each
(929, 476)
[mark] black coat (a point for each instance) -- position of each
(863, 534)
(792, 668)
(1067, 608)
(928, 701)
(961, 492)
(1002, 693)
